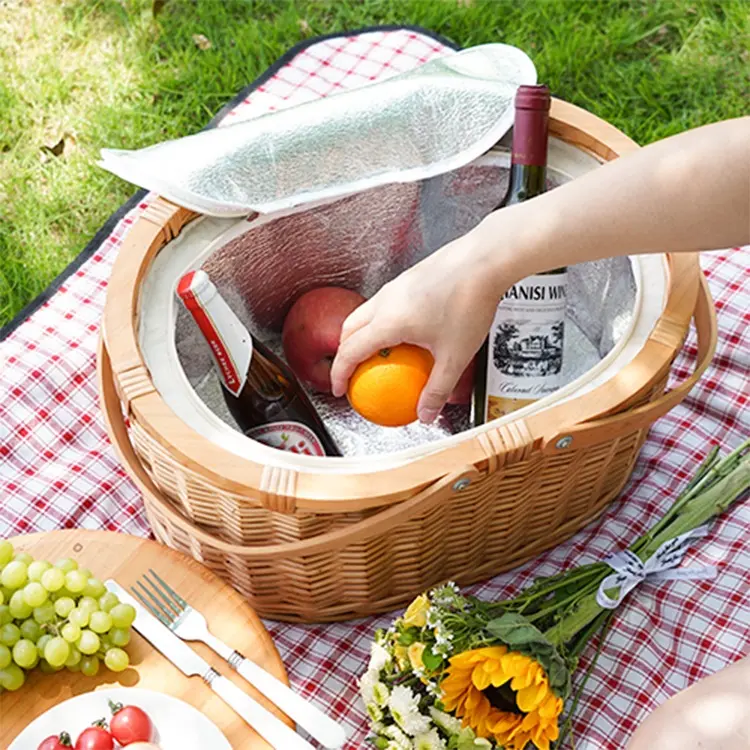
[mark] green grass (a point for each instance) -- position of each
(108, 73)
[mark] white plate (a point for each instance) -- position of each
(178, 724)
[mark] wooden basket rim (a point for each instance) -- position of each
(286, 489)
(394, 514)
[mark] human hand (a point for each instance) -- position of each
(642, 202)
(445, 303)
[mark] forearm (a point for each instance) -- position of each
(686, 193)
(690, 192)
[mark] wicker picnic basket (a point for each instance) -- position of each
(306, 546)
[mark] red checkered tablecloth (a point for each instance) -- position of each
(57, 469)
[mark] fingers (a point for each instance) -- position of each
(442, 381)
(358, 318)
(357, 347)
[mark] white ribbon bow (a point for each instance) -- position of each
(630, 570)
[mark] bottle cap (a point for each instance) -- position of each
(194, 284)
(533, 97)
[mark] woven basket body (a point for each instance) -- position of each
(311, 547)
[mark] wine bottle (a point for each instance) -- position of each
(521, 360)
(265, 398)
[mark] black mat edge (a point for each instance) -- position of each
(106, 229)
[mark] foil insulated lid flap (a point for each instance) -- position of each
(436, 118)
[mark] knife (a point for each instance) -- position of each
(270, 728)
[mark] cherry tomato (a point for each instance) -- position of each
(130, 724)
(95, 738)
(56, 742)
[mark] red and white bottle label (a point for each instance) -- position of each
(231, 343)
(293, 437)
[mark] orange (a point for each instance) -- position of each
(385, 388)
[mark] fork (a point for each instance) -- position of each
(190, 625)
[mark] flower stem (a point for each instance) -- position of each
(576, 646)
(717, 486)
(712, 501)
(707, 475)
(586, 611)
(563, 603)
(568, 726)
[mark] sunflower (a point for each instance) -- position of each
(502, 695)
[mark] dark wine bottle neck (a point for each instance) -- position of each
(525, 181)
(528, 171)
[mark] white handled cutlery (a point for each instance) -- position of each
(190, 625)
(268, 726)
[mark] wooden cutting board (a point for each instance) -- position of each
(125, 558)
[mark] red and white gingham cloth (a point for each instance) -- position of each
(57, 469)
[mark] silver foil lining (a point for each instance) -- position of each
(440, 116)
(361, 242)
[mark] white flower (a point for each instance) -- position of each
(443, 641)
(467, 740)
(443, 636)
(442, 649)
(394, 733)
(374, 712)
(404, 707)
(449, 724)
(429, 741)
(433, 688)
(398, 739)
(433, 617)
(445, 596)
(379, 657)
(380, 694)
(367, 686)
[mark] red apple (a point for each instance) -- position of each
(312, 331)
(462, 392)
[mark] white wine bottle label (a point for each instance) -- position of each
(293, 437)
(230, 342)
(524, 358)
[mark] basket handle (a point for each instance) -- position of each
(612, 427)
(379, 523)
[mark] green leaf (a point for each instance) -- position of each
(514, 630)
(558, 674)
(518, 634)
(430, 660)
(408, 637)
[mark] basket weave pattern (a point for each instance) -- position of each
(505, 518)
(239, 519)
(307, 546)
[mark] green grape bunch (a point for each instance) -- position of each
(57, 617)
